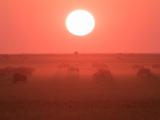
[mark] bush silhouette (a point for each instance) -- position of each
(19, 77)
(145, 74)
(16, 73)
(102, 76)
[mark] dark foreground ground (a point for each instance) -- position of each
(44, 97)
(78, 101)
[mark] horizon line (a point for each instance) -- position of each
(120, 53)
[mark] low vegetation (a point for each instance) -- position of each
(102, 76)
(16, 74)
(145, 74)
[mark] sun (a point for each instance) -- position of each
(80, 22)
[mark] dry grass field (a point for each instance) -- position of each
(80, 87)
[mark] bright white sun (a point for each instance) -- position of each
(80, 22)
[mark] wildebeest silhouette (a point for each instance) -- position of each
(102, 76)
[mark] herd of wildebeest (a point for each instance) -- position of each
(102, 74)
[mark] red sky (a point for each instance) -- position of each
(38, 26)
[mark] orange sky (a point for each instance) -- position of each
(38, 26)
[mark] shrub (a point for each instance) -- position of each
(144, 74)
(19, 77)
(102, 75)
(16, 73)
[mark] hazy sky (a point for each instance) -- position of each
(38, 26)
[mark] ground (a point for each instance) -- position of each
(50, 95)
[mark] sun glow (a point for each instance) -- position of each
(80, 22)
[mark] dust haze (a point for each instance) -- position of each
(80, 87)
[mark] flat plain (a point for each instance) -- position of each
(81, 87)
